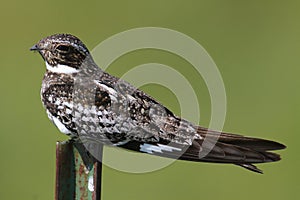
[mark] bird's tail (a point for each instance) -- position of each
(231, 148)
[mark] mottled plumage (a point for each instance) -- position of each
(87, 103)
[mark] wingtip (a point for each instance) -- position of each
(282, 146)
(278, 146)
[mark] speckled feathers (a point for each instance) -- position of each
(85, 102)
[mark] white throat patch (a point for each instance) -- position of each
(61, 69)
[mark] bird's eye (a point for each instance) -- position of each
(63, 48)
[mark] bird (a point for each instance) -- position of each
(88, 104)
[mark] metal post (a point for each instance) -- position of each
(73, 180)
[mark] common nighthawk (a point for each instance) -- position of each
(85, 102)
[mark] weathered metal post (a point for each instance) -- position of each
(73, 180)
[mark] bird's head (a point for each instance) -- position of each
(63, 53)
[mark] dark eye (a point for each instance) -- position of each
(64, 48)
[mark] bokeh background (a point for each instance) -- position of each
(255, 44)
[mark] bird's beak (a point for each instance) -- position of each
(34, 48)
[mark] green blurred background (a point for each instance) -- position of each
(255, 44)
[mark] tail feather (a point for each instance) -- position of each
(227, 153)
(232, 148)
(251, 167)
